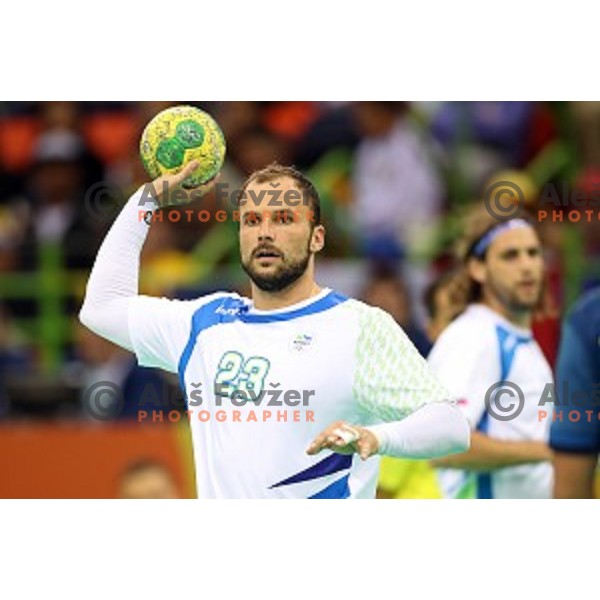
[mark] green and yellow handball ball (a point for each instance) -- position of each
(178, 135)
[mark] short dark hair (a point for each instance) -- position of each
(305, 185)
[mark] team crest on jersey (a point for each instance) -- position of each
(301, 342)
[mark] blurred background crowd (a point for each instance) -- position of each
(394, 178)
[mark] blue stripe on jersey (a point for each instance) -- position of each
(338, 490)
(228, 309)
(327, 466)
(221, 310)
(508, 343)
(332, 299)
(484, 486)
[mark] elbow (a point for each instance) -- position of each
(461, 432)
(463, 442)
(87, 317)
(84, 315)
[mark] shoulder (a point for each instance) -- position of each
(378, 331)
(468, 343)
(585, 314)
(370, 317)
(589, 301)
(224, 299)
(156, 309)
(215, 306)
(364, 310)
(214, 299)
(473, 328)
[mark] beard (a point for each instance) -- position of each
(285, 275)
(513, 301)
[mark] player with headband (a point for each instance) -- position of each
(489, 351)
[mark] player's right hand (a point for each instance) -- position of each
(167, 189)
(343, 438)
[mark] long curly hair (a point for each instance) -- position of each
(476, 223)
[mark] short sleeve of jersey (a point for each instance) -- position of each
(392, 379)
(159, 329)
(466, 360)
(577, 373)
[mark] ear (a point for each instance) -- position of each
(317, 240)
(477, 270)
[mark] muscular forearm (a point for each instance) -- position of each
(487, 453)
(114, 278)
(574, 475)
(435, 430)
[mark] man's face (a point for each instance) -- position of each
(513, 269)
(277, 243)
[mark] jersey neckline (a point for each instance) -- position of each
(498, 318)
(290, 308)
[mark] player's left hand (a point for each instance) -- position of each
(164, 187)
(343, 438)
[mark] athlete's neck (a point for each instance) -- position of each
(521, 318)
(302, 289)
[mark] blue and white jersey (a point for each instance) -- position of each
(477, 350)
(261, 385)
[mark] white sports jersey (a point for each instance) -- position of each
(270, 381)
(481, 348)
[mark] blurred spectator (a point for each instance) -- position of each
(148, 479)
(11, 236)
(334, 128)
(289, 120)
(387, 291)
(13, 358)
(587, 185)
(587, 123)
(9, 185)
(256, 149)
(398, 192)
(236, 119)
(55, 208)
(499, 129)
(142, 388)
(68, 118)
(165, 266)
(441, 303)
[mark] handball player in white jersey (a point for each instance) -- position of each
(489, 350)
(301, 388)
